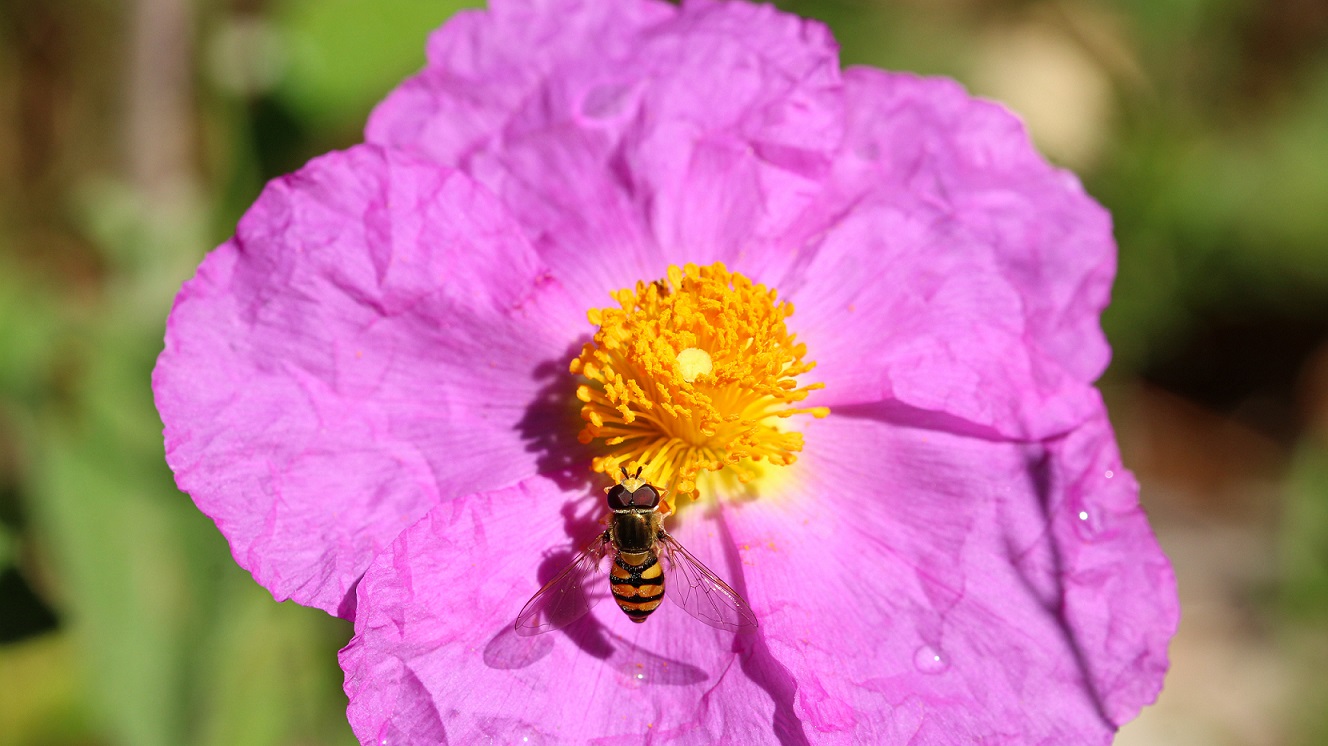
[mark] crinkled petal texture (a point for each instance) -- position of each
(369, 343)
(913, 587)
(725, 131)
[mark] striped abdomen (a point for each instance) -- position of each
(637, 581)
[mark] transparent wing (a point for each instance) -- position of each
(700, 592)
(568, 596)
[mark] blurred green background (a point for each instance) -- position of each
(133, 133)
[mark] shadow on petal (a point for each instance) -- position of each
(650, 669)
(1041, 471)
(552, 421)
(759, 665)
(629, 659)
(415, 717)
(508, 650)
(895, 412)
(757, 662)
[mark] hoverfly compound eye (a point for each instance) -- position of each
(619, 497)
(645, 497)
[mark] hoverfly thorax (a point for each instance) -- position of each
(634, 524)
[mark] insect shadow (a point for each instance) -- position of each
(758, 663)
(551, 422)
(509, 651)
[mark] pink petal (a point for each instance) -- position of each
(723, 131)
(654, 136)
(435, 655)
(919, 585)
(485, 65)
(903, 304)
(365, 346)
(1120, 592)
(911, 585)
(977, 271)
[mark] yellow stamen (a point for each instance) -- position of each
(690, 375)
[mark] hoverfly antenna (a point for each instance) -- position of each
(638, 471)
(624, 471)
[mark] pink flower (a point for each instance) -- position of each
(368, 390)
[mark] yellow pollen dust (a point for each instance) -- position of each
(691, 374)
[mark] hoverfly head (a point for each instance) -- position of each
(632, 493)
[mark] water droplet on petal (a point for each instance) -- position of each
(1089, 525)
(1110, 474)
(930, 660)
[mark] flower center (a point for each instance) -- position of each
(693, 374)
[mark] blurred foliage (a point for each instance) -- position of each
(125, 621)
(324, 82)
(133, 135)
(1305, 543)
(1304, 559)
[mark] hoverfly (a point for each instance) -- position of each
(637, 545)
